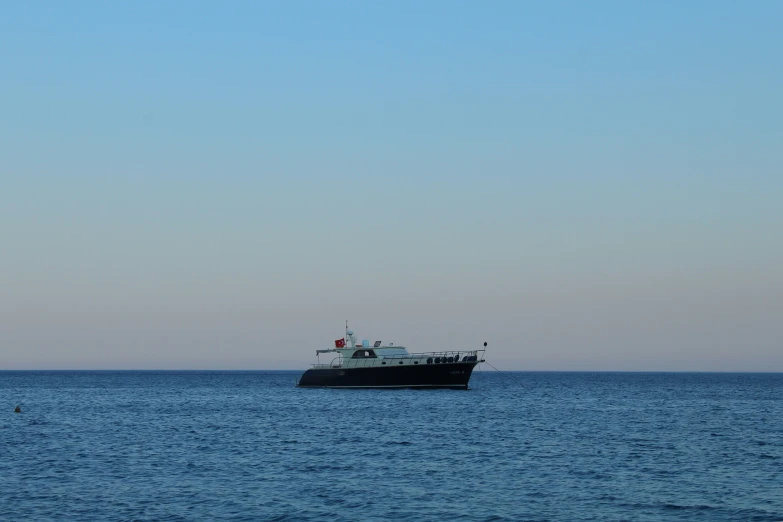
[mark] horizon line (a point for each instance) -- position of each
(300, 370)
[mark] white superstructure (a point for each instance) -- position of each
(353, 354)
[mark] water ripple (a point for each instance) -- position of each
(519, 446)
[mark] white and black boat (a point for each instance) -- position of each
(361, 365)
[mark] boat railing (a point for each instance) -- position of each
(455, 355)
(426, 355)
(336, 363)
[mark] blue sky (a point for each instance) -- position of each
(584, 186)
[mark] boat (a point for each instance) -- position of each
(360, 365)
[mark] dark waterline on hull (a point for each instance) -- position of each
(449, 375)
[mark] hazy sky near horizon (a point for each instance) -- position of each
(585, 186)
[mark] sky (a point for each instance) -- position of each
(585, 186)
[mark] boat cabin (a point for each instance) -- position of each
(353, 354)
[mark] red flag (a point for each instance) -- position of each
(339, 343)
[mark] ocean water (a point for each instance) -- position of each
(517, 446)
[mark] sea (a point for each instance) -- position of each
(516, 446)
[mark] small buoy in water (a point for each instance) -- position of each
(17, 409)
(485, 344)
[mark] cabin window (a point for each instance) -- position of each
(364, 354)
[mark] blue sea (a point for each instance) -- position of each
(516, 446)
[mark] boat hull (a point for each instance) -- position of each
(450, 375)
